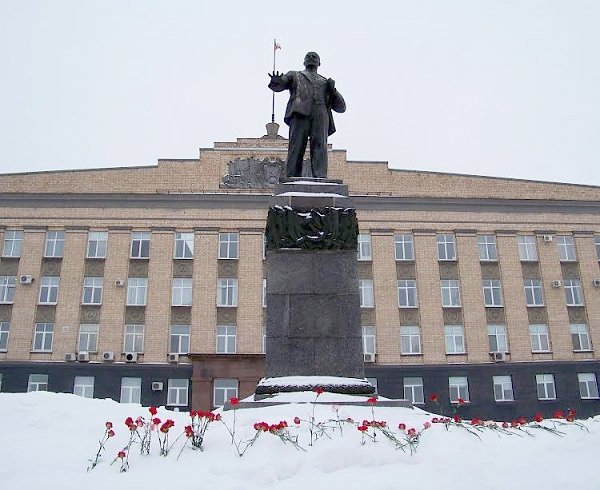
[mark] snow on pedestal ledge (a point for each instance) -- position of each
(332, 384)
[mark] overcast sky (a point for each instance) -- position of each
(488, 87)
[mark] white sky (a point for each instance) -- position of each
(489, 87)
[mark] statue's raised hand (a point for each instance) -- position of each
(275, 75)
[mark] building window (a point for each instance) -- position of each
(588, 385)
(368, 335)
(88, 338)
(503, 390)
(226, 335)
(4, 330)
(364, 247)
(533, 292)
(527, 249)
(140, 245)
(182, 291)
(224, 389)
(540, 341)
(97, 244)
(487, 248)
(179, 342)
(12, 243)
(566, 248)
(264, 293)
(184, 246)
(497, 338)
(410, 340)
(597, 242)
(37, 382)
(134, 339)
(573, 293)
(492, 292)
(455, 339)
(227, 292)
(92, 290)
(413, 390)
(49, 290)
(131, 390)
(446, 246)
(228, 245)
(7, 288)
(450, 292)
(459, 388)
(545, 386)
(407, 293)
(55, 244)
(365, 288)
(177, 393)
(580, 337)
(404, 246)
(137, 288)
(42, 337)
(84, 386)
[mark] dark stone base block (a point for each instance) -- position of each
(345, 386)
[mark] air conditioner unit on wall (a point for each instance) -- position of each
(131, 356)
(499, 356)
(120, 283)
(70, 357)
(547, 238)
(174, 358)
(157, 385)
(596, 282)
(83, 356)
(370, 357)
(556, 283)
(25, 279)
(108, 356)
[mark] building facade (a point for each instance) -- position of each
(147, 284)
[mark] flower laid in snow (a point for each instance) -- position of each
(372, 400)
(108, 433)
(153, 411)
(433, 398)
(297, 420)
(319, 390)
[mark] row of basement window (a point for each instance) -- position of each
(229, 246)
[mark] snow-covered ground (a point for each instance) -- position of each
(46, 440)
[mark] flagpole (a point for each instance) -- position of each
(273, 103)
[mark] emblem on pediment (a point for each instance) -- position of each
(252, 173)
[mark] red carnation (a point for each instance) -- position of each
(457, 419)
(559, 414)
(156, 421)
(433, 397)
(538, 417)
(319, 390)
(296, 420)
(362, 428)
(108, 425)
(461, 401)
(505, 425)
(372, 400)
(121, 454)
(129, 422)
(193, 413)
(110, 433)
(234, 401)
(153, 411)
(402, 426)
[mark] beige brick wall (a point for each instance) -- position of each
(586, 254)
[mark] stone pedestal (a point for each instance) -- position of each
(313, 305)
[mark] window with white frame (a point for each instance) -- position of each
(223, 390)
(226, 339)
(404, 246)
(97, 244)
(131, 390)
(229, 245)
(364, 247)
(227, 292)
(7, 288)
(137, 289)
(55, 244)
(446, 246)
(12, 243)
(540, 340)
(365, 288)
(450, 292)
(134, 339)
(264, 340)
(49, 290)
(527, 248)
(368, 336)
(458, 388)
(503, 389)
(588, 385)
(413, 390)
(182, 291)
(84, 386)
(407, 293)
(43, 334)
(179, 339)
(597, 243)
(177, 392)
(580, 337)
(410, 340)
(492, 292)
(573, 292)
(184, 246)
(37, 382)
(566, 248)
(487, 248)
(533, 292)
(92, 290)
(264, 293)
(454, 336)
(546, 389)
(88, 337)
(4, 331)
(497, 338)
(140, 245)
